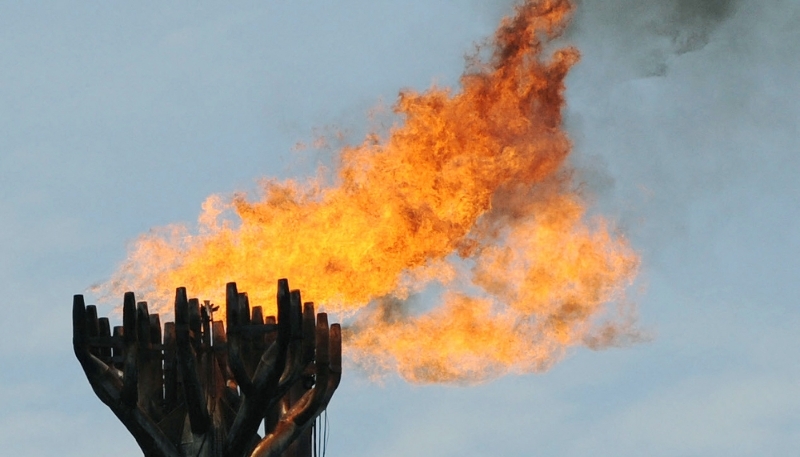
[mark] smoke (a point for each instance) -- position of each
(689, 108)
(650, 33)
(690, 23)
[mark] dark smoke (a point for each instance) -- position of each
(691, 22)
(651, 32)
(684, 117)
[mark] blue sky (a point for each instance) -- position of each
(684, 115)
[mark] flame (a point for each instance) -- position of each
(470, 190)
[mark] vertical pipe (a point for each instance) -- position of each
(130, 373)
(92, 328)
(187, 365)
(105, 336)
(170, 368)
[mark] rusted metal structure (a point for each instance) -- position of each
(199, 388)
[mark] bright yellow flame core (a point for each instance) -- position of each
(471, 178)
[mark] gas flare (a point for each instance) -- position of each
(470, 189)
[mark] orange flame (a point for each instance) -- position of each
(470, 190)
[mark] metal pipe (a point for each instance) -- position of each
(187, 366)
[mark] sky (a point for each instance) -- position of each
(684, 115)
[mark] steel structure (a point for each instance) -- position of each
(199, 388)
